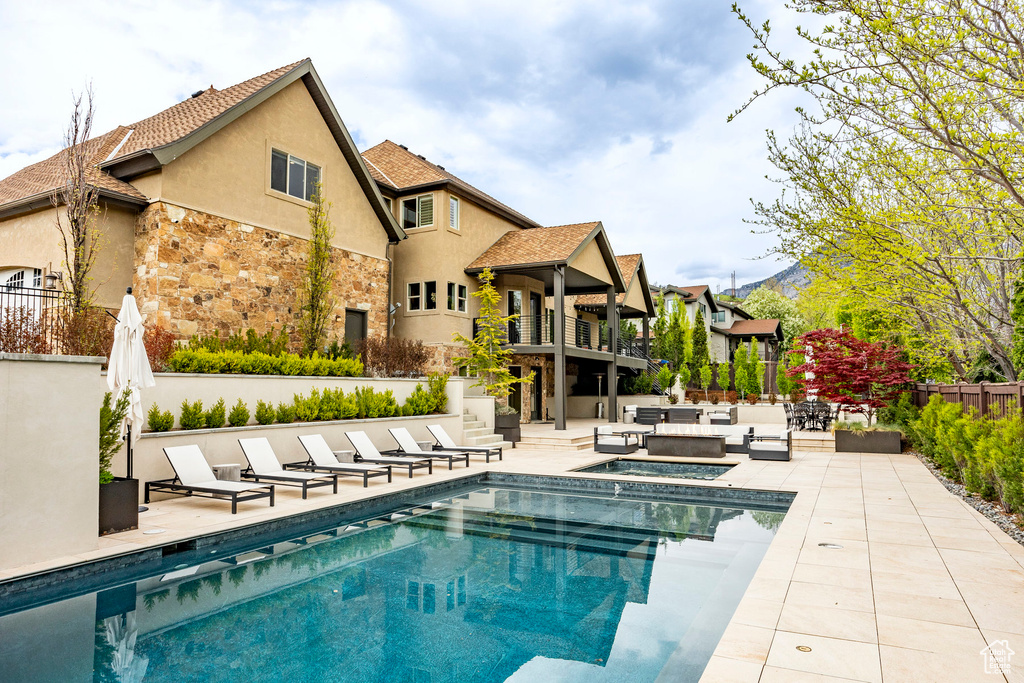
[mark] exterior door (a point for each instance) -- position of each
(355, 327)
(536, 317)
(536, 413)
(515, 399)
(515, 307)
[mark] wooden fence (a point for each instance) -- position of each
(984, 397)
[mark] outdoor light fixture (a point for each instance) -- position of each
(52, 278)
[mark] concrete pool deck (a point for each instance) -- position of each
(921, 585)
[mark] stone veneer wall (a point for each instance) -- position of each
(441, 357)
(547, 366)
(195, 272)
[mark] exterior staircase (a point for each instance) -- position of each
(476, 433)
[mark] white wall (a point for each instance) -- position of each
(49, 456)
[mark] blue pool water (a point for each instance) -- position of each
(495, 584)
(650, 468)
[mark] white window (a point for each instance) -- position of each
(463, 290)
(453, 213)
(418, 212)
(429, 296)
(451, 296)
(293, 176)
(414, 299)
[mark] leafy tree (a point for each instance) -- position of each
(723, 376)
(861, 376)
(904, 183)
(627, 329)
(111, 417)
(316, 305)
(486, 358)
(667, 379)
(783, 380)
(678, 336)
(741, 369)
(767, 303)
(659, 329)
(1018, 325)
(705, 378)
(699, 352)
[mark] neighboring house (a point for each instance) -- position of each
(727, 325)
(455, 231)
(203, 208)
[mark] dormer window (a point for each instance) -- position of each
(418, 212)
(293, 176)
(453, 213)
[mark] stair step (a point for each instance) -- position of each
(482, 431)
(481, 439)
(468, 417)
(540, 443)
(473, 424)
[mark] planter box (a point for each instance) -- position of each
(119, 506)
(848, 441)
(508, 427)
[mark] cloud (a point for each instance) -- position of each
(566, 111)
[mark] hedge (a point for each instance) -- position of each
(204, 361)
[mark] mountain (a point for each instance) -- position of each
(789, 280)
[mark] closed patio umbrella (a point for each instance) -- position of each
(128, 369)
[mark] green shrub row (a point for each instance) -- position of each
(204, 361)
(985, 453)
(319, 405)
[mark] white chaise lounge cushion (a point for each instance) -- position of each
(193, 470)
(365, 448)
(264, 462)
(438, 432)
(409, 445)
(322, 455)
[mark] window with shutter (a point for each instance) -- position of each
(426, 210)
(453, 213)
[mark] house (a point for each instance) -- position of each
(455, 231)
(203, 209)
(726, 324)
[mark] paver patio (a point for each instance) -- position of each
(920, 584)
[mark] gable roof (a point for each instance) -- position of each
(539, 246)
(628, 266)
(550, 246)
(394, 167)
(128, 151)
(734, 306)
(690, 294)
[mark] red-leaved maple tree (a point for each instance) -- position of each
(860, 376)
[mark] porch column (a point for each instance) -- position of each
(647, 336)
(613, 366)
(559, 340)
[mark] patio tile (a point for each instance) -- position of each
(838, 597)
(757, 612)
(928, 608)
(995, 609)
(725, 670)
(841, 557)
(901, 664)
(772, 674)
(930, 636)
(745, 642)
(828, 622)
(827, 656)
(935, 583)
(833, 576)
(1015, 671)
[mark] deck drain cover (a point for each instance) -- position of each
(803, 648)
(830, 546)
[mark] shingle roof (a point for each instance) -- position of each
(394, 166)
(762, 326)
(537, 245)
(161, 129)
(628, 265)
(45, 176)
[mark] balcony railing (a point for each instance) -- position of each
(33, 320)
(537, 330)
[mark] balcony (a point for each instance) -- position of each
(536, 334)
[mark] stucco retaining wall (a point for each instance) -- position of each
(49, 457)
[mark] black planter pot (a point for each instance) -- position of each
(119, 506)
(848, 441)
(508, 427)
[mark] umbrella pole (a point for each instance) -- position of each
(128, 440)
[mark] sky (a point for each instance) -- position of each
(566, 111)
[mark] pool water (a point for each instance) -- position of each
(649, 468)
(495, 584)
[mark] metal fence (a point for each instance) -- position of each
(984, 397)
(33, 320)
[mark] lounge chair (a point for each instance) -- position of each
(607, 441)
(193, 477)
(322, 459)
(263, 464)
(408, 445)
(684, 416)
(446, 442)
(367, 452)
(772, 447)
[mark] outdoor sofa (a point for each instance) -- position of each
(448, 443)
(193, 477)
(607, 441)
(322, 459)
(263, 464)
(723, 416)
(737, 437)
(408, 446)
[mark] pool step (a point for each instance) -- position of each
(555, 443)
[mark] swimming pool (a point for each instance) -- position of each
(496, 582)
(651, 468)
